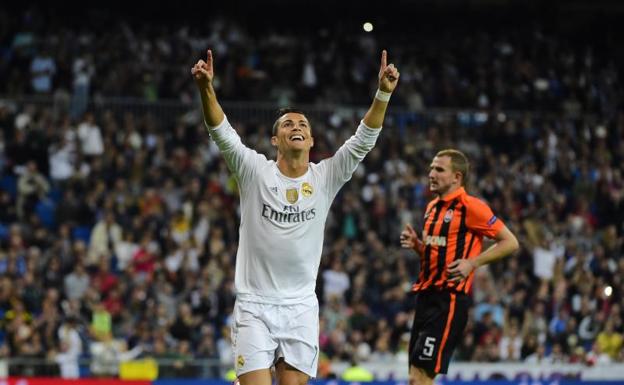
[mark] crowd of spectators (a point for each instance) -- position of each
(119, 230)
(525, 67)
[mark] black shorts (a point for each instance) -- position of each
(439, 323)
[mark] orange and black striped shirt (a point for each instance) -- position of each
(454, 228)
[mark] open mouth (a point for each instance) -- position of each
(296, 138)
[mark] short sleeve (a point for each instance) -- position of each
(481, 219)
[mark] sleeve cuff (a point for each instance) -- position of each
(369, 128)
(223, 123)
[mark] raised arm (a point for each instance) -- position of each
(203, 74)
(240, 159)
(388, 79)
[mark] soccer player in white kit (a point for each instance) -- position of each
(284, 205)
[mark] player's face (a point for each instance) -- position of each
(442, 178)
(293, 133)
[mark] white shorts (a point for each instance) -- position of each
(263, 333)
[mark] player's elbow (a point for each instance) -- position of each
(508, 242)
(514, 245)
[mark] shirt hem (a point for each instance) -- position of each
(256, 298)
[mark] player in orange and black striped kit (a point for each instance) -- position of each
(450, 251)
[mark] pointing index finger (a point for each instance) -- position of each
(384, 56)
(209, 58)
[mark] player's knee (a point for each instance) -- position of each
(419, 376)
(420, 380)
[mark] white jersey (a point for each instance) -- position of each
(283, 219)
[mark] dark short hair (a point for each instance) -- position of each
(281, 112)
(459, 162)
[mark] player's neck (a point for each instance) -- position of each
(451, 190)
(293, 166)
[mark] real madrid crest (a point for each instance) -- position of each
(292, 195)
(306, 189)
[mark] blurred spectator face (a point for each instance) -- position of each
(16, 241)
(32, 167)
(5, 287)
(52, 294)
(442, 178)
(608, 328)
(184, 347)
(109, 218)
(104, 266)
(293, 134)
(159, 347)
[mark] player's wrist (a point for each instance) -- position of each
(383, 96)
(205, 94)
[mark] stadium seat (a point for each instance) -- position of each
(82, 233)
(55, 194)
(45, 210)
(4, 231)
(9, 184)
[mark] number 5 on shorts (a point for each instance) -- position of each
(429, 346)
